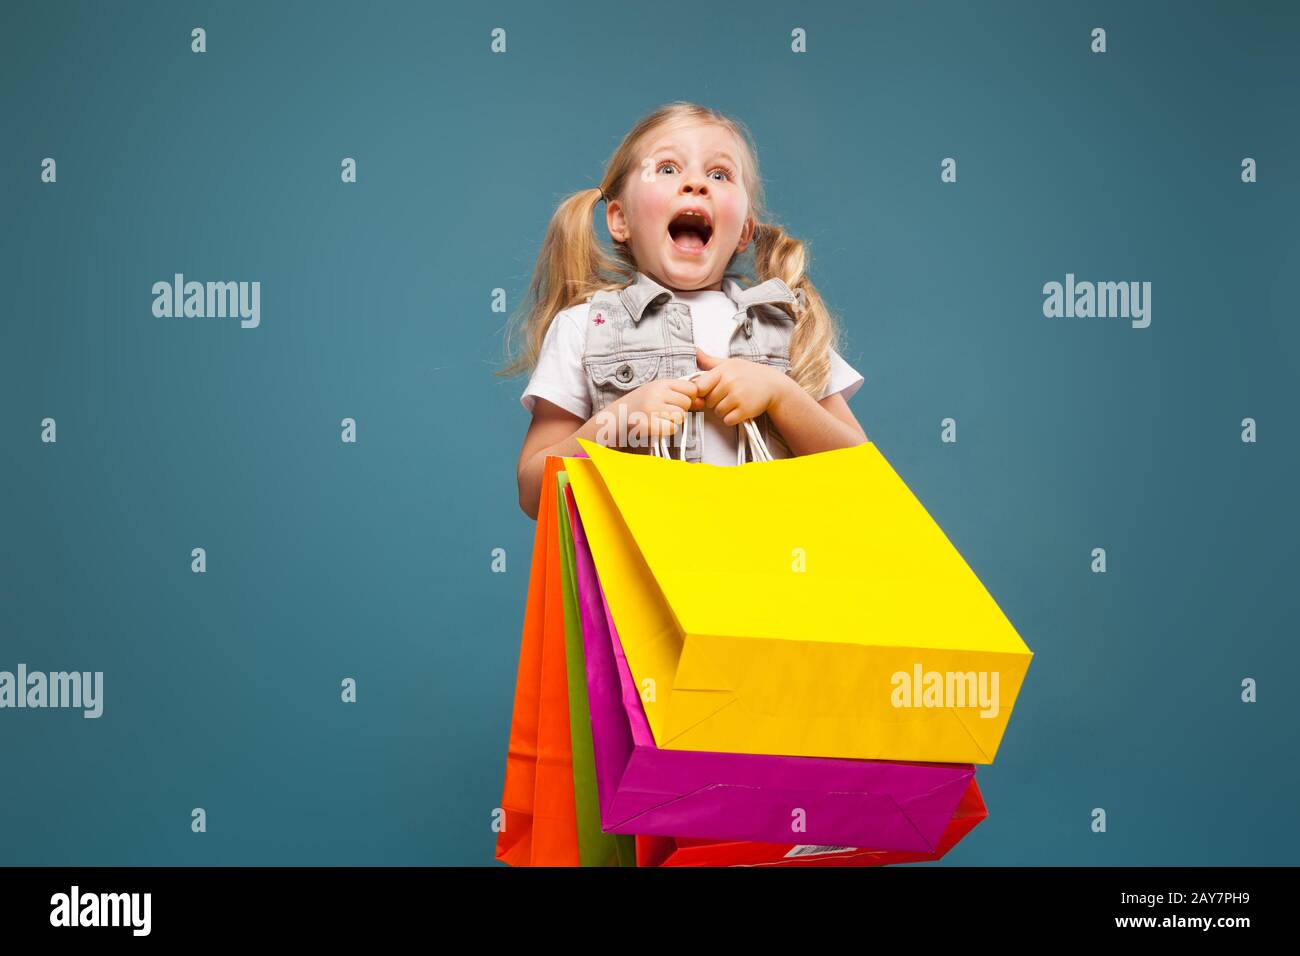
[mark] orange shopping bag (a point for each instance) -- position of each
(541, 824)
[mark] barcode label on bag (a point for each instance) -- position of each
(808, 850)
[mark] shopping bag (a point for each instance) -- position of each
(595, 848)
(540, 824)
(752, 797)
(666, 851)
(820, 611)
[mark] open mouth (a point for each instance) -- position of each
(690, 231)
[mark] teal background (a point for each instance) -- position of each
(328, 560)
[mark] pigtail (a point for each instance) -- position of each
(571, 265)
(780, 255)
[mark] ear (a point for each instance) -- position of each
(746, 234)
(616, 221)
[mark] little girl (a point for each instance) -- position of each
(614, 342)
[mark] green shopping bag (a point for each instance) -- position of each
(594, 847)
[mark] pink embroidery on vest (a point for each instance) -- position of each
(599, 319)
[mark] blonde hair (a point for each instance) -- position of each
(573, 264)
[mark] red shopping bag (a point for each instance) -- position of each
(540, 820)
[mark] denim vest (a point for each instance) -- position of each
(636, 335)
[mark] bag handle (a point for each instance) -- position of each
(758, 450)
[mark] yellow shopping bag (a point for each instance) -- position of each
(806, 606)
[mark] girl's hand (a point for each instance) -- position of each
(654, 409)
(736, 388)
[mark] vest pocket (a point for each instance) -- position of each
(612, 380)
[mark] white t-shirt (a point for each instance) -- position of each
(560, 378)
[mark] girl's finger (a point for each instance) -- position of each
(726, 404)
(716, 394)
(671, 415)
(722, 403)
(705, 382)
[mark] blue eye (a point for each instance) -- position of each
(726, 173)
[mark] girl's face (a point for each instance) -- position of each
(688, 167)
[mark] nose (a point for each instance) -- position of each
(696, 187)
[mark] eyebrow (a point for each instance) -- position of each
(721, 153)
